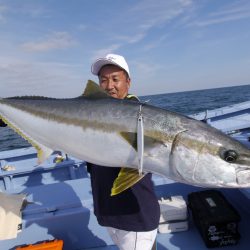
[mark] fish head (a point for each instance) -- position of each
(238, 157)
(206, 157)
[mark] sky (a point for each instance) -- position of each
(47, 46)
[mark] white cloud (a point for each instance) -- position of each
(156, 43)
(82, 27)
(131, 39)
(138, 37)
(32, 9)
(56, 40)
(237, 11)
(223, 19)
(137, 22)
(37, 11)
(150, 13)
(45, 79)
(151, 68)
(102, 52)
(236, 7)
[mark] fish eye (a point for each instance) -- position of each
(229, 155)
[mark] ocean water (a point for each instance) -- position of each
(187, 103)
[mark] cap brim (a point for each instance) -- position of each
(98, 64)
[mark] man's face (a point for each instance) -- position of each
(114, 81)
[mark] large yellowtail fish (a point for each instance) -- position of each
(103, 130)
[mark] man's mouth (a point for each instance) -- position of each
(112, 93)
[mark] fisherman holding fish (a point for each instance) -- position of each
(103, 128)
(132, 215)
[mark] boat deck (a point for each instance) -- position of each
(62, 208)
(191, 239)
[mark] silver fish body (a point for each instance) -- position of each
(103, 131)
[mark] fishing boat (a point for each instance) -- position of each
(60, 205)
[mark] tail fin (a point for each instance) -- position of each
(2, 123)
(43, 152)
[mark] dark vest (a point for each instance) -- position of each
(135, 209)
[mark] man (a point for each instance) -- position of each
(132, 216)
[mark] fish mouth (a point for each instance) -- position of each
(243, 177)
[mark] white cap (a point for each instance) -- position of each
(109, 59)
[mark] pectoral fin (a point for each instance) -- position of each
(131, 138)
(126, 178)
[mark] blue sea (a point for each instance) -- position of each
(188, 102)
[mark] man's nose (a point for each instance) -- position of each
(110, 84)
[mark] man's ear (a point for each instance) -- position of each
(129, 82)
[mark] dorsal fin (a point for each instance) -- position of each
(93, 90)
